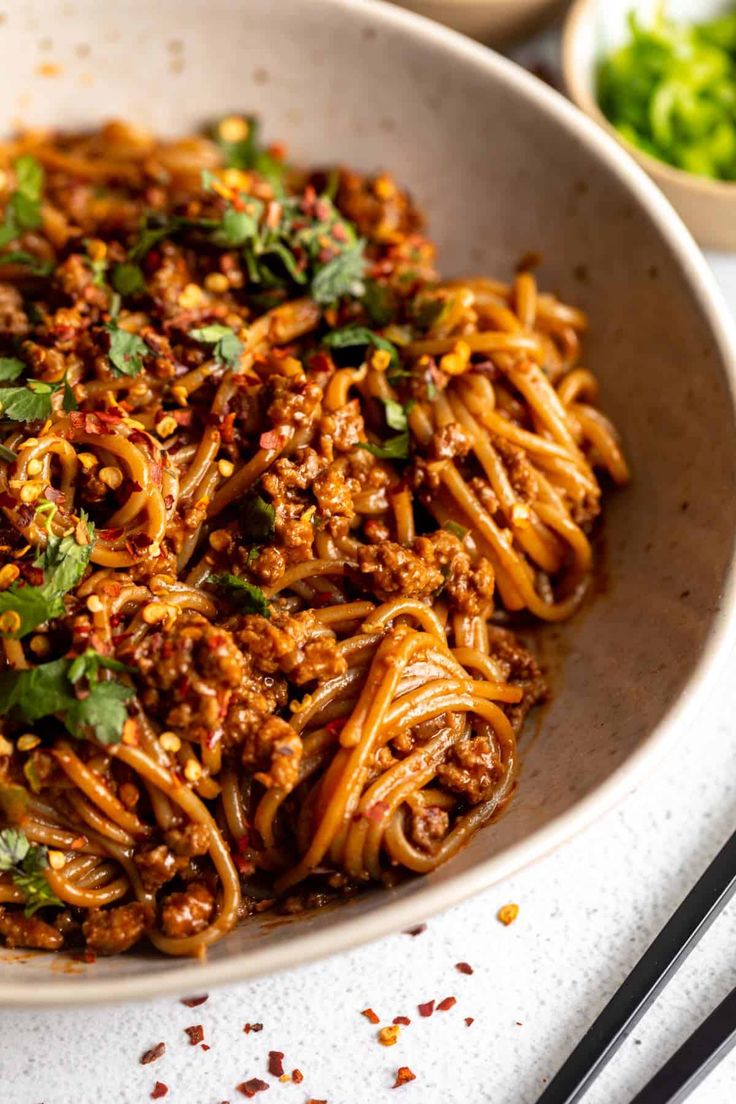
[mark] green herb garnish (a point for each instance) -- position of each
(359, 337)
(127, 350)
(395, 448)
(248, 153)
(127, 279)
(64, 561)
(246, 596)
(71, 690)
(26, 863)
(226, 347)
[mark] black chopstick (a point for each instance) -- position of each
(646, 981)
(695, 1059)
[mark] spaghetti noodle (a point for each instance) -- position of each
(273, 498)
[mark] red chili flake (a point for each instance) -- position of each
(250, 1088)
(417, 930)
(159, 1090)
(53, 495)
(339, 232)
(156, 473)
(446, 1004)
(252, 1027)
(297, 1076)
(469, 1020)
(464, 967)
(204, 1046)
(195, 1033)
(153, 1054)
(313, 1101)
(371, 1016)
(426, 1009)
(194, 1002)
(401, 1020)
(377, 811)
(138, 437)
(276, 1062)
(244, 866)
(403, 1075)
(83, 956)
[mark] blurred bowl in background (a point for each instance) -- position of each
(492, 21)
(595, 27)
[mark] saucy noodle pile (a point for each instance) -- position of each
(273, 497)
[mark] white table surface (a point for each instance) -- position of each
(586, 914)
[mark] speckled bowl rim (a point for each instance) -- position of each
(32, 991)
(579, 94)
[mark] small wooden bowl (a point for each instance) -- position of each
(492, 21)
(592, 29)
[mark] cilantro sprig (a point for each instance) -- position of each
(247, 152)
(26, 863)
(23, 209)
(70, 689)
(359, 337)
(127, 350)
(226, 347)
(64, 561)
(246, 596)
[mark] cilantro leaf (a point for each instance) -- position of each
(247, 153)
(88, 665)
(246, 596)
(48, 690)
(455, 529)
(396, 414)
(395, 448)
(227, 348)
(258, 519)
(379, 301)
(342, 275)
(10, 368)
(26, 863)
(69, 402)
(236, 228)
(126, 350)
(127, 278)
(152, 232)
(359, 337)
(64, 561)
(31, 403)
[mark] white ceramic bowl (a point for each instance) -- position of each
(592, 29)
(502, 165)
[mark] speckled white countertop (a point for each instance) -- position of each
(586, 914)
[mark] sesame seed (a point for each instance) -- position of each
(8, 574)
(28, 741)
(39, 645)
(94, 604)
(191, 297)
(111, 477)
(220, 539)
(9, 621)
(35, 466)
(6, 748)
(225, 468)
(57, 860)
(88, 460)
(216, 282)
(29, 492)
(154, 612)
(169, 741)
(192, 771)
(166, 426)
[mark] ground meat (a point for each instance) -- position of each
(186, 913)
(13, 319)
(390, 570)
(156, 866)
(343, 428)
(449, 441)
(28, 931)
(269, 566)
(428, 825)
(273, 750)
(471, 769)
(286, 475)
(381, 211)
(190, 674)
(334, 492)
(291, 645)
(113, 930)
(470, 586)
(187, 842)
(294, 401)
(520, 471)
(170, 278)
(519, 667)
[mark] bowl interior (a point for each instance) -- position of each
(370, 86)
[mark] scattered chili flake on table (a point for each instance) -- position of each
(195, 1033)
(464, 967)
(507, 914)
(426, 1009)
(153, 1054)
(297, 1076)
(276, 1063)
(469, 1020)
(247, 1028)
(159, 1090)
(250, 1088)
(194, 1002)
(417, 930)
(446, 1004)
(403, 1075)
(401, 1020)
(370, 1015)
(204, 1046)
(389, 1036)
